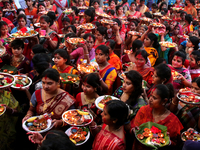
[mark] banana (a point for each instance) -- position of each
(101, 105)
(82, 112)
(73, 140)
(148, 140)
(31, 119)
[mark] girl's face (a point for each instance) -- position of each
(140, 61)
(156, 79)
(112, 5)
(128, 86)
(189, 43)
(29, 3)
(177, 62)
(44, 25)
(8, 6)
(164, 6)
(100, 56)
(120, 11)
(4, 30)
(193, 64)
(59, 61)
(172, 25)
(132, 26)
(132, 7)
(22, 22)
(89, 43)
(47, 2)
(65, 24)
(80, 2)
(41, 8)
(99, 37)
(106, 117)
(183, 16)
(96, 5)
(142, 30)
(69, 30)
(195, 88)
(49, 86)
(147, 42)
(87, 88)
(17, 52)
(195, 33)
(176, 30)
(155, 100)
(87, 18)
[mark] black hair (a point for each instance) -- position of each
(167, 27)
(112, 12)
(111, 43)
(180, 54)
(117, 8)
(70, 35)
(164, 92)
(41, 62)
(198, 32)
(136, 80)
(109, 2)
(188, 18)
(135, 22)
(118, 21)
(143, 53)
(92, 9)
(42, 4)
(52, 15)
(136, 45)
(165, 10)
(47, 19)
(144, 26)
(153, 39)
(182, 12)
(104, 49)
(73, 28)
(89, 12)
(3, 23)
(57, 140)
(196, 55)
(117, 110)
(17, 43)
(159, 61)
(163, 72)
(103, 31)
(95, 1)
(75, 9)
(19, 10)
(64, 54)
(133, 3)
(38, 48)
(66, 19)
(195, 23)
(21, 16)
(89, 34)
(192, 2)
(161, 5)
(96, 23)
(93, 80)
(148, 15)
(52, 74)
(154, 5)
(197, 80)
(195, 41)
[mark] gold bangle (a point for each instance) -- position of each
(63, 123)
(174, 103)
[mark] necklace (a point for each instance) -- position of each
(89, 101)
(158, 115)
(46, 105)
(17, 62)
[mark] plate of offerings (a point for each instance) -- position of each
(76, 41)
(168, 44)
(107, 21)
(76, 117)
(125, 22)
(186, 96)
(145, 19)
(67, 78)
(190, 134)
(152, 135)
(8, 69)
(21, 81)
(2, 109)
(2, 50)
(178, 8)
(157, 25)
(158, 14)
(6, 80)
(183, 36)
(68, 11)
(38, 124)
(20, 35)
(87, 26)
(82, 7)
(81, 14)
(128, 51)
(132, 17)
(8, 9)
(61, 35)
(134, 33)
(78, 135)
(37, 25)
(104, 15)
(84, 67)
(100, 101)
(165, 18)
(175, 75)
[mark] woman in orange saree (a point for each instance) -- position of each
(156, 112)
(50, 98)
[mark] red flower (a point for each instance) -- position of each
(8, 80)
(19, 85)
(155, 130)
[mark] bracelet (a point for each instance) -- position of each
(174, 103)
(93, 127)
(28, 115)
(63, 123)
(100, 79)
(87, 54)
(49, 39)
(117, 34)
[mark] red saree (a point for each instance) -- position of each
(147, 74)
(106, 140)
(172, 123)
(58, 104)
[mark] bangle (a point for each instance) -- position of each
(93, 127)
(100, 79)
(49, 39)
(87, 54)
(174, 103)
(63, 123)
(28, 115)
(117, 34)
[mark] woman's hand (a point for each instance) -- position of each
(47, 37)
(25, 118)
(35, 137)
(57, 123)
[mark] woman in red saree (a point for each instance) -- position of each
(194, 64)
(132, 13)
(106, 71)
(50, 98)
(111, 136)
(156, 112)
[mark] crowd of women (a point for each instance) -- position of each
(128, 42)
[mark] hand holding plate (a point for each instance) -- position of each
(35, 137)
